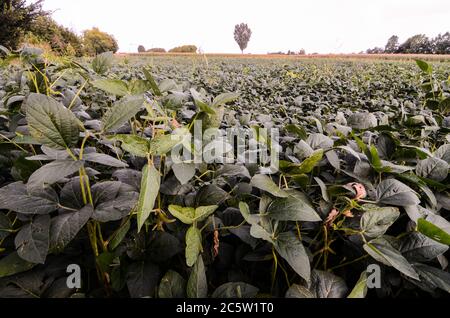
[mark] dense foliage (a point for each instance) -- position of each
(157, 50)
(88, 178)
(96, 42)
(242, 35)
(417, 44)
(16, 18)
(183, 49)
(44, 30)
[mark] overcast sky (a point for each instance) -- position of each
(322, 26)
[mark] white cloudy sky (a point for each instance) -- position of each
(323, 26)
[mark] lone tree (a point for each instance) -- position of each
(392, 45)
(96, 42)
(141, 49)
(242, 35)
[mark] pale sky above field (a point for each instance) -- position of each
(322, 26)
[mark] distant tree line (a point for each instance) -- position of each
(417, 44)
(301, 52)
(178, 49)
(28, 24)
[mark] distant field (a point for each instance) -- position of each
(429, 57)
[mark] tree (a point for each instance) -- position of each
(16, 17)
(417, 44)
(441, 44)
(60, 39)
(375, 50)
(242, 35)
(184, 49)
(157, 50)
(392, 45)
(141, 49)
(96, 42)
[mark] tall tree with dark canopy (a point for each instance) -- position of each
(417, 44)
(16, 18)
(392, 45)
(242, 35)
(441, 43)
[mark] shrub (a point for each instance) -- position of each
(157, 50)
(184, 49)
(61, 40)
(141, 49)
(96, 42)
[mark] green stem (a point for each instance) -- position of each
(349, 262)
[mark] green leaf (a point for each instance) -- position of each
(172, 285)
(433, 276)
(15, 197)
(184, 214)
(308, 164)
(245, 211)
(235, 290)
(193, 245)
(381, 250)
(142, 279)
(112, 86)
(202, 212)
(32, 241)
(298, 291)
(104, 261)
(265, 183)
(133, 144)
(204, 107)
(12, 264)
(299, 131)
(224, 98)
(375, 221)
(360, 289)
(424, 66)
(417, 247)
(118, 236)
(104, 159)
(375, 160)
(150, 184)
(292, 250)
(327, 285)
(211, 194)
(65, 227)
(137, 87)
(162, 144)
(121, 112)
(258, 232)
(197, 286)
(432, 231)
(393, 192)
(102, 62)
(323, 189)
(5, 226)
(296, 207)
(52, 173)
(443, 151)
(444, 106)
(433, 168)
(362, 121)
(189, 215)
(152, 82)
(184, 171)
(51, 123)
